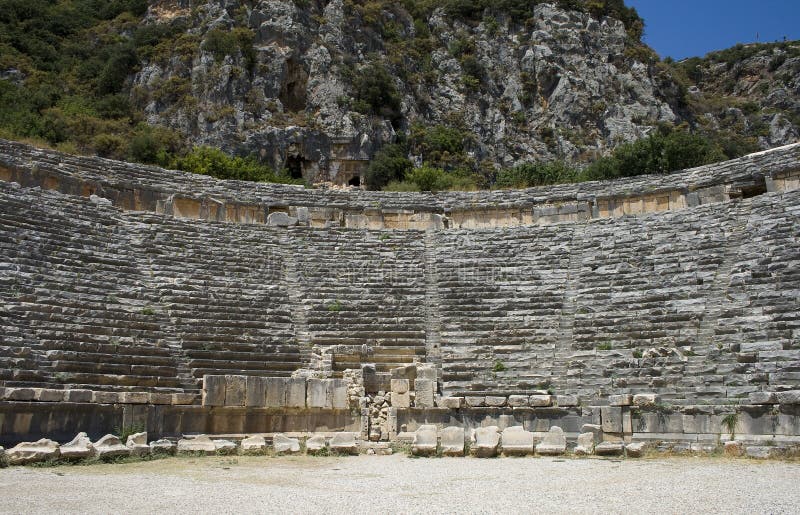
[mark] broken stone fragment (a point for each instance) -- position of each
(345, 443)
(635, 449)
(33, 452)
(609, 449)
(452, 443)
(315, 444)
(282, 444)
(200, 443)
(425, 440)
(487, 440)
(3, 458)
(162, 446)
(79, 447)
(516, 441)
(554, 443)
(451, 402)
(585, 444)
(540, 401)
(255, 444)
(137, 443)
(645, 399)
(224, 447)
(110, 446)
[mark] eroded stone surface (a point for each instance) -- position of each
(585, 444)
(316, 443)
(425, 441)
(283, 444)
(33, 452)
(554, 443)
(110, 446)
(516, 441)
(254, 444)
(452, 441)
(79, 447)
(344, 442)
(200, 443)
(487, 440)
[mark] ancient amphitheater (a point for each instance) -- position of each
(657, 309)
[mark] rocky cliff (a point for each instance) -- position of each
(561, 84)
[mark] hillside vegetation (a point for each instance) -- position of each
(120, 79)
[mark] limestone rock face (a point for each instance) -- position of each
(283, 444)
(292, 97)
(33, 452)
(554, 443)
(110, 446)
(487, 440)
(79, 447)
(425, 440)
(452, 441)
(200, 443)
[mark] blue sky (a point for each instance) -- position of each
(686, 28)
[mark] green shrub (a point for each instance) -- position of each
(389, 164)
(536, 174)
(214, 162)
(376, 93)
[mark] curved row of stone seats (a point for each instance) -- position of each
(75, 310)
(699, 305)
(139, 187)
(361, 288)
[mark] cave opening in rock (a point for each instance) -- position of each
(355, 181)
(293, 89)
(294, 164)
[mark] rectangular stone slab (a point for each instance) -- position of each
(276, 392)
(296, 393)
(213, 390)
(256, 392)
(235, 390)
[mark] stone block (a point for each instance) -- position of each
(763, 398)
(224, 447)
(540, 401)
(159, 398)
(110, 446)
(281, 219)
(789, 397)
(134, 397)
(424, 390)
(213, 390)
(3, 458)
(276, 392)
(407, 372)
(554, 443)
(517, 401)
(635, 449)
(516, 441)
(198, 444)
(338, 394)
(50, 395)
(345, 443)
(475, 401)
(400, 385)
(609, 449)
(452, 443)
(401, 400)
(162, 446)
(425, 441)
(620, 400)
(183, 399)
(645, 399)
(595, 429)
(296, 393)
(428, 373)
(256, 392)
(585, 444)
(235, 390)
(487, 440)
(733, 448)
(282, 444)
(611, 417)
(315, 444)
(33, 452)
(317, 395)
(567, 401)
(495, 401)
(451, 402)
(105, 397)
(78, 448)
(255, 444)
(137, 443)
(20, 394)
(761, 452)
(79, 396)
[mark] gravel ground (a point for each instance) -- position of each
(392, 484)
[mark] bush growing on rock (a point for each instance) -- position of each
(214, 162)
(389, 164)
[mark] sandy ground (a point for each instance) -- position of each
(398, 484)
